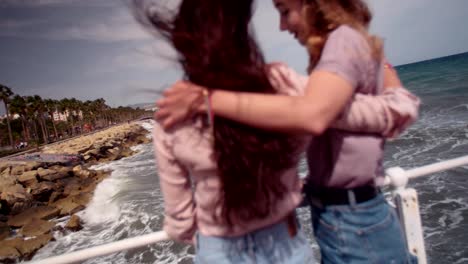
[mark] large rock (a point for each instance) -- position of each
(69, 205)
(64, 170)
(31, 165)
(81, 172)
(8, 254)
(36, 227)
(16, 199)
(74, 224)
(50, 175)
(4, 230)
(43, 190)
(5, 171)
(54, 196)
(6, 179)
(40, 212)
(4, 165)
(26, 247)
(18, 169)
(28, 178)
(72, 188)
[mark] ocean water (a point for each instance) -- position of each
(129, 202)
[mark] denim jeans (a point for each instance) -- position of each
(367, 232)
(269, 245)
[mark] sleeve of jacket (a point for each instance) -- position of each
(175, 184)
(389, 113)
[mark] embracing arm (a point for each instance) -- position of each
(309, 113)
(387, 114)
(179, 207)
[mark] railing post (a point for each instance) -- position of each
(407, 205)
(406, 201)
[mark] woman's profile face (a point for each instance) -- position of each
(291, 18)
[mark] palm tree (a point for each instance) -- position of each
(5, 94)
(51, 108)
(18, 106)
(66, 106)
(35, 107)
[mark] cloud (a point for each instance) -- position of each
(36, 3)
(117, 25)
(10, 24)
(101, 32)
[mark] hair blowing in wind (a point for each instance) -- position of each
(216, 48)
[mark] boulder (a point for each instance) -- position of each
(72, 188)
(4, 230)
(51, 175)
(5, 171)
(3, 218)
(74, 224)
(28, 178)
(8, 254)
(81, 172)
(68, 206)
(4, 165)
(36, 227)
(6, 179)
(18, 169)
(73, 203)
(26, 247)
(31, 165)
(55, 196)
(16, 199)
(42, 191)
(40, 212)
(64, 170)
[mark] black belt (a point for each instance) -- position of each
(337, 196)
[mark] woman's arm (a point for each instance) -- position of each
(325, 97)
(179, 208)
(388, 114)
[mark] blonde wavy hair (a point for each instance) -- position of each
(324, 16)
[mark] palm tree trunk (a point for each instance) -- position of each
(26, 133)
(43, 129)
(8, 125)
(53, 124)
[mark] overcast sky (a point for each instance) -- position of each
(93, 48)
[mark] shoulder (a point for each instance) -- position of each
(285, 79)
(347, 34)
(346, 53)
(347, 42)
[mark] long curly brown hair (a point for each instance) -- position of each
(324, 16)
(216, 48)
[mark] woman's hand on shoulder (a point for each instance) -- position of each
(180, 102)
(391, 79)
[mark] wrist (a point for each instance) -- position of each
(207, 95)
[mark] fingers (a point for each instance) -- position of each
(162, 114)
(169, 123)
(181, 86)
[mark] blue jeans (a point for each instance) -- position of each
(368, 232)
(272, 244)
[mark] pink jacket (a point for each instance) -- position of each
(187, 174)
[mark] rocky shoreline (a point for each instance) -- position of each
(33, 193)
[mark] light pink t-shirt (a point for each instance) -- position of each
(184, 160)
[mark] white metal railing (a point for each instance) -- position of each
(396, 176)
(125, 244)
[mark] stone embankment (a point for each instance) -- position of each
(34, 193)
